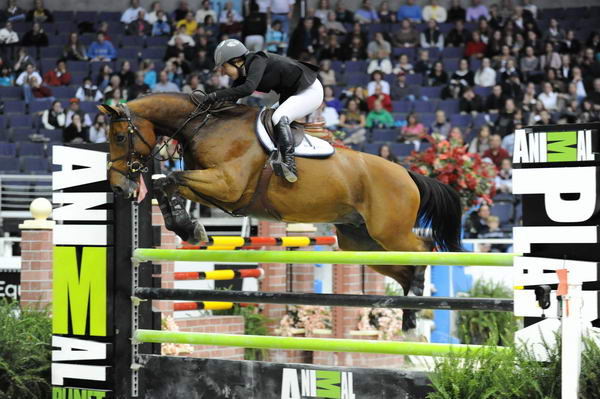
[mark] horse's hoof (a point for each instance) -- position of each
(200, 233)
(409, 320)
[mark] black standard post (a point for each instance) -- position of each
(289, 298)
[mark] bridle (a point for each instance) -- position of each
(137, 163)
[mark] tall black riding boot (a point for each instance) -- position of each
(285, 142)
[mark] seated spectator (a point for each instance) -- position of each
(139, 26)
(75, 132)
(366, 14)
(356, 50)
(98, 132)
(58, 76)
(26, 75)
(326, 74)
(548, 97)
(485, 76)
(36, 37)
(103, 78)
(437, 77)
(178, 48)
(55, 117)
(276, 40)
(205, 11)
(496, 153)
(359, 94)
(571, 44)
(153, 11)
(115, 97)
(353, 122)
(39, 13)
(504, 177)
(385, 152)
(114, 83)
(440, 126)
(483, 27)
(380, 96)
(456, 12)
(193, 83)
(432, 36)
(331, 100)
(36, 91)
(175, 72)
(8, 40)
(139, 87)
(377, 79)
(555, 33)
(456, 136)
(509, 70)
(13, 12)
(202, 63)
(413, 132)
(126, 74)
(501, 60)
(495, 101)
(303, 39)
(458, 36)
(327, 115)
(545, 118)
(334, 26)
(75, 109)
(379, 51)
(494, 44)
(551, 76)
(402, 91)
(493, 223)
(463, 76)
(589, 113)
(101, 50)
(533, 41)
(594, 96)
(190, 23)
(550, 58)
(505, 124)
(161, 26)
(181, 33)
(435, 11)
(231, 27)
(229, 12)
(103, 28)
(406, 36)
(481, 142)
(410, 11)
(74, 50)
(147, 68)
(342, 14)
(254, 29)
(593, 41)
(476, 222)
(424, 65)
(180, 12)
(386, 16)
(164, 85)
(475, 47)
(88, 91)
(477, 11)
(470, 103)
(333, 49)
(403, 65)
(7, 78)
(23, 60)
(131, 13)
(379, 117)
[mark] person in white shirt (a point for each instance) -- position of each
(99, 129)
(182, 34)
(549, 98)
(485, 76)
(204, 11)
(75, 109)
(224, 15)
(131, 14)
(281, 10)
(27, 74)
(152, 16)
(435, 11)
(88, 91)
(8, 41)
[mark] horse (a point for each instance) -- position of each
(373, 203)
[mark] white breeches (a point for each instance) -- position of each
(301, 104)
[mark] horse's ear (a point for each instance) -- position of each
(108, 110)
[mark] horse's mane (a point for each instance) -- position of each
(223, 108)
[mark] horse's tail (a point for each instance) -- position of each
(441, 210)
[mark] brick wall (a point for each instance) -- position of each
(214, 324)
(36, 268)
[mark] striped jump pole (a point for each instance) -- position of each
(216, 242)
(220, 274)
(204, 305)
(333, 257)
(310, 344)
(291, 298)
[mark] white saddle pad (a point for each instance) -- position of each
(311, 147)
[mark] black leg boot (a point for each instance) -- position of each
(285, 142)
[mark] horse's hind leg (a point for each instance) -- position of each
(172, 207)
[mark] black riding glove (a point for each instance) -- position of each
(210, 98)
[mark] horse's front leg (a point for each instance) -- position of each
(218, 184)
(172, 207)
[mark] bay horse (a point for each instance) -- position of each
(373, 203)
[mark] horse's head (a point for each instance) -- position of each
(131, 141)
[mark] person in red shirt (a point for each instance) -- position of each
(58, 76)
(379, 95)
(496, 153)
(475, 47)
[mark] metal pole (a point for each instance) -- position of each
(334, 257)
(290, 298)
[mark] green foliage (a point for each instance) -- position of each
(24, 352)
(487, 328)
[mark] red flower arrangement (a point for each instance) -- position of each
(450, 163)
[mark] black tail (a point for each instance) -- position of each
(441, 210)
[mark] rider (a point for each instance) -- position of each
(296, 82)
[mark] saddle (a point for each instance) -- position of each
(298, 129)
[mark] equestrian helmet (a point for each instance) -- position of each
(228, 50)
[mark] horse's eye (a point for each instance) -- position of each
(121, 138)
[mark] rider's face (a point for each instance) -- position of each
(231, 71)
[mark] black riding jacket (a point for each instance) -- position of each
(268, 71)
